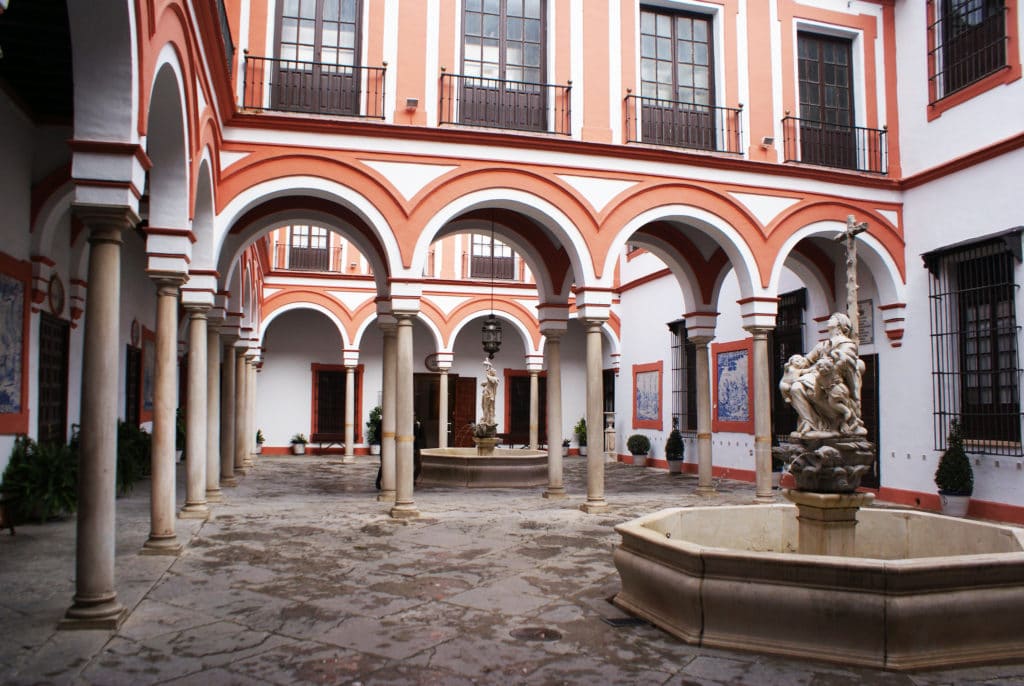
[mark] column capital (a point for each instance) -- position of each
(350, 358)
(700, 341)
(106, 217)
(593, 322)
(197, 310)
(759, 331)
(758, 311)
(701, 322)
(168, 283)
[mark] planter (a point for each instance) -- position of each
(565, 451)
(639, 460)
(259, 448)
(675, 466)
(298, 448)
(954, 505)
(583, 451)
(375, 449)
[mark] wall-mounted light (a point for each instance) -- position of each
(412, 103)
(767, 140)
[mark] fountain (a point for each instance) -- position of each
(487, 465)
(823, 578)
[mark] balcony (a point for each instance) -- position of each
(313, 87)
(835, 145)
(683, 124)
(504, 104)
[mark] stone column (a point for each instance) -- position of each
(534, 408)
(213, 494)
(162, 539)
(705, 485)
(95, 604)
(595, 421)
(240, 411)
(404, 507)
(389, 351)
(195, 416)
(552, 352)
(250, 411)
(442, 408)
(827, 522)
(762, 415)
(350, 414)
(227, 417)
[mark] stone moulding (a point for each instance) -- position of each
(913, 598)
(506, 468)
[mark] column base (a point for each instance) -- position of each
(161, 545)
(404, 511)
(555, 493)
(595, 506)
(386, 497)
(348, 459)
(228, 481)
(240, 471)
(103, 613)
(194, 511)
(764, 499)
(706, 491)
(214, 496)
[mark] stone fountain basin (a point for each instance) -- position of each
(922, 591)
(463, 467)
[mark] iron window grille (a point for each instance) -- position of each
(684, 377)
(968, 42)
(975, 363)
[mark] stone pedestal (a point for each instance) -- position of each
(485, 446)
(827, 522)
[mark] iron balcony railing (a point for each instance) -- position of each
(313, 87)
(683, 124)
(835, 145)
(504, 104)
(308, 259)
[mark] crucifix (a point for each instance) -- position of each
(852, 229)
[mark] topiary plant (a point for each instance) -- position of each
(954, 475)
(133, 456)
(674, 448)
(373, 430)
(581, 432)
(638, 444)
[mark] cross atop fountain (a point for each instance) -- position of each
(849, 236)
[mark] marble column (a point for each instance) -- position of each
(227, 417)
(241, 376)
(552, 352)
(705, 485)
(534, 408)
(95, 604)
(405, 506)
(213, 494)
(350, 414)
(595, 421)
(162, 538)
(250, 412)
(195, 416)
(442, 408)
(389, 351)
(762, 415)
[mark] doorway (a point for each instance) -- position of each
(463, 411)
(53, 379)
(518, 428)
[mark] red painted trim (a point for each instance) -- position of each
(112, 148)
(206, 272)
(892, 306)
(964, 162)
(718, 425)
(657, 423)
(17, 422)
(157, 231)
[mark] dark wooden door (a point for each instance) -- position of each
(869, 413)
(330, 405)
(53, 379)
(826, 101)
(426, 406)
(464, 411)
(133, 385)
(519, 410)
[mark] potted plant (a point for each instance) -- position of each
(259, 441)
(565, 448)
(954, 476)
(373, 431)
(299, 442)
(580, 430)
(638, 446)
(674, 449)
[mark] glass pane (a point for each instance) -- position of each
(647, 46)
(330, 36)
(647, 22)
(490, 71)
(532, 56)
(473, 5)
(492, 7)
(472, 25)
(332, 10)
(665, 72)
(531, 30)
(514, 29)
(472, 48)
(291, 8)
(490, 53)
(532, 9)
(664, 49)
(348, 11)
(491, 25)
(307, 32)
(684, 74)
(647, 70)
(700, 53)
(305, 53)
(665, 91)
(514, 73)
(348, 37)
(289, 30)
(514, 54)
(700, 77)
(700, 30)
(684, 28)
(684, 51)
(664, 25)
(307, 9)
(329, 56)
(515, 8)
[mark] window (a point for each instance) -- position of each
(329, 402)
(308, 248)
(975, 367)
(827, 136)
(968, 39)
(503, 64)
(676, 79)
(787, 339)
(491, 260)
(684, 378)
(318, 56)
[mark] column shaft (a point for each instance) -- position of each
(195, 418)
(250, 411)
(595, 422)
(705, 485)
(534, 409)
(212, 415)
(240, 407)
(762, 416)
(442, 410)
(227, 417)
(387, 421)
(552, 352)
(350, 414)
(404, 504)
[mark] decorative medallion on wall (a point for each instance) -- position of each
(430, 362)
(55, 294)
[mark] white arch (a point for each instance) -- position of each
(203, 217)
(688, 282)
(52, 215)
(520, 328)
(819, 291)
(265, 324)
(167, 146)
(741, 257)
(878, 260)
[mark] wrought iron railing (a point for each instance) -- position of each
(834, 145)
(308, 259)
(314, 87)
(683, 124)
(968, 43)
(225, 29)
(504, 104)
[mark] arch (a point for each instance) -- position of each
(167, 147)
(505, 315)
(50, 217)
(203, 217)
(273, 313)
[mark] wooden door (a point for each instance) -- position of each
(464, 411)
(869, 413)
(426, 406)
(53, 379)
(133, 386)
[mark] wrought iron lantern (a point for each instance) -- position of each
(491, 336)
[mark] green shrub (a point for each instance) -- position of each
(674, 448)
(40, 481)
(638, 444)
(954, 475)
(373, 431)
(581, 432)
(134, 456)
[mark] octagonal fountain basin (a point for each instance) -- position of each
(923, 590)
(506, 468)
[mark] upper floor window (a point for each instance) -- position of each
(968, 39)
(308, 248)
(491, 259)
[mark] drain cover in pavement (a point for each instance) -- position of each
(535, 633)
(623, 621)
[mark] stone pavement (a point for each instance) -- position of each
(302, 578)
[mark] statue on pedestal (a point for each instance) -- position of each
(488, 426)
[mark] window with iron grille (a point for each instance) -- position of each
(975, 365)
(308, 248)
(968, 39)
(489, 260)
(684, 378)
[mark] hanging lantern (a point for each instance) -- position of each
(491, 335)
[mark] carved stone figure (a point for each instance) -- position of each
(490, 392)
